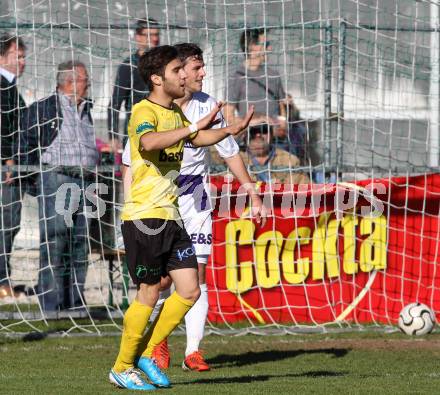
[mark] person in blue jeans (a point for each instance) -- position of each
(60, 139)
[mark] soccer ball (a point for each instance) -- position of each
(416, 319)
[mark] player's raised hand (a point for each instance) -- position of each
(259, 211)
(210, 120)
(241, 125)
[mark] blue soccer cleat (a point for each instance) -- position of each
(130, 379)
(155, 375)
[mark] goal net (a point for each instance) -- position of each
(351, 182)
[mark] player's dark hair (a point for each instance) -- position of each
(145, 23)
(189, 50)
(154, 61)
(250, 36)
(6, 41)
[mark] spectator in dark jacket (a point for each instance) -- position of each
(12, 63)
(59, 138)
(129, 87)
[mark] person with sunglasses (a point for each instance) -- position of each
(266, 162)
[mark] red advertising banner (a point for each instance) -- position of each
(350, 251)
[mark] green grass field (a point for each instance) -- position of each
(358, 363)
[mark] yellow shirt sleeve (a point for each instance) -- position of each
(142, 121)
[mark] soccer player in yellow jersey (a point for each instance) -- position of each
(156, 244)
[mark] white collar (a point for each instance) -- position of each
(7, 74)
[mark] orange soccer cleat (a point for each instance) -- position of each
(161, 355)
(195, 361)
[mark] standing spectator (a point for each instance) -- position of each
(254, 83)
(12, 64)
(129, 87)
(60, 137)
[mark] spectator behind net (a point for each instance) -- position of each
(255, 83)
(268, 163)
(12, 64)
(60, 139)
(129, 87)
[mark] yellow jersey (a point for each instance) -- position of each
(153, 192)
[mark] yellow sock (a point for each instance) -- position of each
(147, 336)
(135, 321)
(172, 313)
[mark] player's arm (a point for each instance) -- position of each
(162, 140)
(212, 136)
(238, 169)
(203, 137)
(144, 135)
